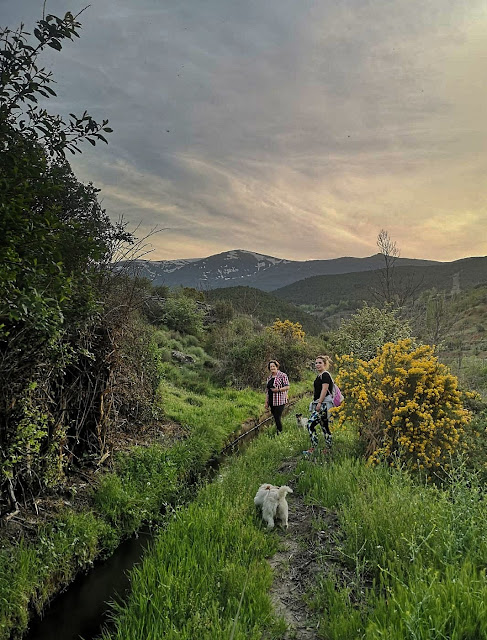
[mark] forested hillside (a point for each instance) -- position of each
(264, 306)
(348, 291)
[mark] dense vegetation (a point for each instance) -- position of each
(55, 336)
(264, 306)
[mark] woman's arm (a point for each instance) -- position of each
(324, 391)
(285, 384)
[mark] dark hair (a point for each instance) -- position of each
(272, 362)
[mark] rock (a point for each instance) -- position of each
(182, 357)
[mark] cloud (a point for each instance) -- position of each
(293, 129)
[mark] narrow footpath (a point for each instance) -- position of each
(308, 550)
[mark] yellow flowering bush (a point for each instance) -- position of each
(288, 330)
(405, 403)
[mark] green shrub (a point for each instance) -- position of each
(368, 330)
(183, 314)
(244, 350)
(161, 338)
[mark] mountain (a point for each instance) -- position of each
(348, 291)
(247, 268)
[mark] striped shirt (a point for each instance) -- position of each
(278, 397)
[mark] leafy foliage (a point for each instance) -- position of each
(55, 240)
(22, 81)
(406, 405)
(368, 330)
(244, 348)
(183, 314)
(264, 306)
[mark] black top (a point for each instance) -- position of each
(270, 384)
(320, 380)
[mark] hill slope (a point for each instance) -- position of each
(349, 290)
(265, 306)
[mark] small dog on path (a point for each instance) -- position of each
(272, 501)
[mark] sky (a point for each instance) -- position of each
(294, 128)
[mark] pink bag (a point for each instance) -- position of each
(336, 395)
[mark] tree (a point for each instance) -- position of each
(439, 316)
(22, 82)
(54, 236)
(51, 226)
(368, 330)
(391, 289)
(390, 254)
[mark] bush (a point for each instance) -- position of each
(288, 330)
(223, 311)
(245, 360)
(406, 405)
(183, 314)
(368, 330)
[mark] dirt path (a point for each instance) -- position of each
(307, 551)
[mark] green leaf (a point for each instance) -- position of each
(55, 44)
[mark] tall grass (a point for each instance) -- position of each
(143, 482)
(418, 551)
(191, 584)
(29, 574)
(412, 555)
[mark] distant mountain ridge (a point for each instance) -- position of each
(355, 288)
(247, 268)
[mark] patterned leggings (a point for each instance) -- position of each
(314, 420)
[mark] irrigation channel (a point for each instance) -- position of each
(82, 610)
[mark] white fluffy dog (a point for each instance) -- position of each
(273, 503)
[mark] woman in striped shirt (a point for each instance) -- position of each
(277, 387)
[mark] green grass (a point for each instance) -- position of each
(413, 555)
(144, 481)
(418, 553)
(30, 573)
(191, 583)
(408, 561)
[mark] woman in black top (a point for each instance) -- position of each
(322, 401)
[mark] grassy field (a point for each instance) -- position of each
(142, 482)
(404, 559)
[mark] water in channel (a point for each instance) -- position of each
(83, 608)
